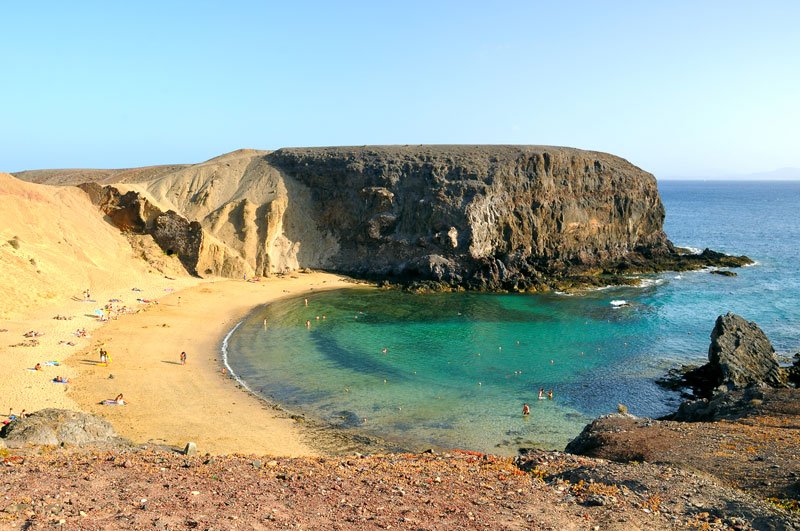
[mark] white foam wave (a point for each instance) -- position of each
(619, 303)
(224, 350)
(693, 250)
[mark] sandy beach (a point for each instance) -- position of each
(167, 403)
(173, 403)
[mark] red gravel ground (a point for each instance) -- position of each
(149, 489)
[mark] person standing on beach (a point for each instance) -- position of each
(183, 358)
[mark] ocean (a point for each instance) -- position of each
(454, 370)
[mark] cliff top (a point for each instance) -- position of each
(460, 153)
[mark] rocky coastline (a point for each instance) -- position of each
(740, 427)
(728, 461)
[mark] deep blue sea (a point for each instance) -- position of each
(457, 368)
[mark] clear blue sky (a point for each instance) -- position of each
(677, 87)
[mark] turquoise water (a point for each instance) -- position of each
(458, 367)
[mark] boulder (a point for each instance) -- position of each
(190, 449)
(741, 354)
(794, 371)
(58, 427)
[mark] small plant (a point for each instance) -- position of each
(793, 506)
(653, 503)
(622, 409)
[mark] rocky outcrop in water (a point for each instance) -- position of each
(480, 217)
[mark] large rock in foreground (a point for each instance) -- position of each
(58, 427)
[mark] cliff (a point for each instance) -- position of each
(481, 217)
(54, 244)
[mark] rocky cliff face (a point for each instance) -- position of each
(490, 216)
(482, 217)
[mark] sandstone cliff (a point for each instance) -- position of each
(487, 217)
(54, 244)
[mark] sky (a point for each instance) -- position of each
(679, 88)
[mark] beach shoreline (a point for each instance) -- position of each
(172, 404)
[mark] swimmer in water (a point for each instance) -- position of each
(550, 394)
(385, 350)
(526, 409)
(308, 325)
(541, 393)
(305, 301)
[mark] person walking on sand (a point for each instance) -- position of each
(183, 358)
(526, 410)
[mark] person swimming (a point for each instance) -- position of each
(526, 409)
(550, 394)
(541, 393)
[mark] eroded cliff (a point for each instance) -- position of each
(482, 217)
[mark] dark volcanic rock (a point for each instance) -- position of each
(58, 426)
(488, 217)
(740, 354)
(743, 354)
(794, 371)
(132, 213)
(599, 439)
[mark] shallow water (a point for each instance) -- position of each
(458, 367)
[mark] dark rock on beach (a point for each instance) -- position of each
(742, 354)
(59, 427)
